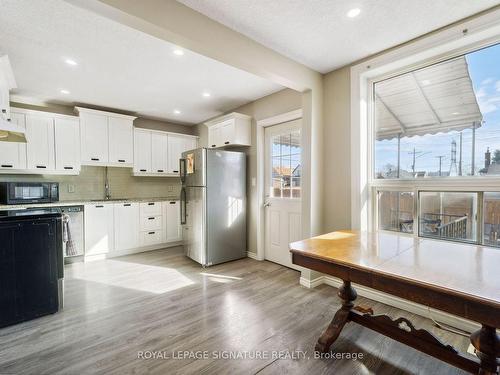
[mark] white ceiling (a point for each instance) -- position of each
(318, 33)
(118, 67)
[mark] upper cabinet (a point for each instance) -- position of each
(107, 138)
(233, 129)
(157, 153)
(53, 144)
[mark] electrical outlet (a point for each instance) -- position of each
(170, 188)
(71, 188)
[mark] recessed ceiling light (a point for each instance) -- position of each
(178, 52)
(71, 62)
(177, 112)
(206, 94)
(353, 12)
(65, 92)
(455, 113)
(426, 82)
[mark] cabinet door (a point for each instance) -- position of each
(176, 146)
(12, 154)
(40, 147)
(94, 138)
(121, 141)
(214, 136)
(142, 151)
(67, 144)
(172, 215)
(159, 153)
(226, 135)
(126, 225)
(99, 229)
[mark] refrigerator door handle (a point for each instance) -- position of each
(183, 207)
(182, 169)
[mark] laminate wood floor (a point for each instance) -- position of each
(162, 303)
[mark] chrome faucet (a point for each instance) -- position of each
(107, 190)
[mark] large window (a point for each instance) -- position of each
(436, 149)
(439, 121)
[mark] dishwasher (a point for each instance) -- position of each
(73, 235)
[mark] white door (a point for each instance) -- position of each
(283, 190)
(121, 141)
(94, 138)
(13, 154)
(142, 151)
(67, 144)
(40, 147)
(159, 153)
(99, 229)
(126, 223)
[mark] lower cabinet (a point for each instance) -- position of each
(126, 225)
(172, 218)
(99, 229)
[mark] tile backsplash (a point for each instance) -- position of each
(89, 184)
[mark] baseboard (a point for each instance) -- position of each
(253, 255)
(415, 308)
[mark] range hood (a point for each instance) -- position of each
(10, 132)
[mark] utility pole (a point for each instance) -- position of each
(460, 157)
(440, 157)
(416, 154)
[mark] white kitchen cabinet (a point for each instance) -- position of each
(233, 129)
(126, 226)
(40, 153)
(150, 209)
(121, 141)
(94, 138)
(67, 144)
(172, 221)
(13, 154)
(150, 238)
(149, 223)
(177, 144)
(107, 138)
(142, 151)
(159, 152)
(99, 229)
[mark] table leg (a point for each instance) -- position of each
(487, 344)
(347, 294)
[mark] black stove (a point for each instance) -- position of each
(30, 213)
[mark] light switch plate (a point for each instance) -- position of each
(170, 188)
(71, 188)
(254, 181)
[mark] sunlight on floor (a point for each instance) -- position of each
(220, 278)
(140, 277)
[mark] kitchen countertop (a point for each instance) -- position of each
(85, 201)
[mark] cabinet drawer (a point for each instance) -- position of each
(150, 209)
(151, 223)
(152, 237)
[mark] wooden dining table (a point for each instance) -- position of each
(457, 278)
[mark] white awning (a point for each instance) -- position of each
(436, 99)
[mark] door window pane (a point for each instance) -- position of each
(448, 215)
(286, 165)
(491, 219)
(395, 211)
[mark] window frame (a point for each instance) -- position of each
(474, 184)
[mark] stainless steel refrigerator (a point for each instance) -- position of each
(213, 205)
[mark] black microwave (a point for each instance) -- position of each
(28, 192)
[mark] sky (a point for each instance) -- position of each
(484, 70)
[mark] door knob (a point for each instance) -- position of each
(267, 204)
